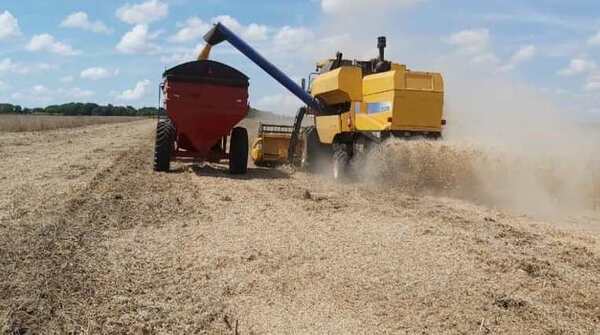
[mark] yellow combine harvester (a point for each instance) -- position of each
(355, 104)
(368, 102)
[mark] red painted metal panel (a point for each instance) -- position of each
(203, 113)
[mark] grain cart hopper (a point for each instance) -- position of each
(204, 100)
(355, 103)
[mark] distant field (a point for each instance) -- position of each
(17, 123)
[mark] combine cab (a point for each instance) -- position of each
(204, 100)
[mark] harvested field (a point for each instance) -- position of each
(18, 123)
(93, 241)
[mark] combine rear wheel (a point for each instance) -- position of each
(238, 151)
(341, 162)
(165, 144)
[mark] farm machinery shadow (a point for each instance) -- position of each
(218, 171)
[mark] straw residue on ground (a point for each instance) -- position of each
(537, 184)
(93, 241)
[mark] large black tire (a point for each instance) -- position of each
(314, 155)
(164, 146)
(297, 127)
(238, 151)
(341, 162)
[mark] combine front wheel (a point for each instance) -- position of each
(238, 151)
(314, 155)
(341, 162)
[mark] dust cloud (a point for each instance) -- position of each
(505, 146)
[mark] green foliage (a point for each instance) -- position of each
(91, 109)
(254, 113)
(74, 108)
(10, 109)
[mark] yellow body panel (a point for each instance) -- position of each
(272, 148)
(327, 127)
(339, 86)
(396, 100)
(373, 122)
(382, 82)
(417, 110)
(256, 152)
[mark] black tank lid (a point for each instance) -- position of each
(207, 71)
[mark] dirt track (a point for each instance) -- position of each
(93, 241)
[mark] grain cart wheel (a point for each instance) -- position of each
(165, 144)
(341, 162)
(238, 151)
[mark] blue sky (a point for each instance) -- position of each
(115, 51)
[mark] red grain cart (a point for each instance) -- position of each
(204, 100)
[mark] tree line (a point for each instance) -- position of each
(75, 108)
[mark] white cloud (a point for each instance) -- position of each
(9, 26)
(81, 20)
(7, 65)
(37, 93)
(256, 32)
(143, 13)
(97, 73)
(594, 40)
(177, 58)
(43, 94)
(524, 54)
(136, 93)
(279, 103)
(40, 90)
(76, 93)
(346, 6)
(476, 44)
(17, 96)
(45, 66)
(230, 22)
(593, 86)
(138, 40)
(488, 58)
(67, 79)
(593, 82)
(292, 38)
(578, 66)
(474, 41)
(3, 85)
(539, 18)
(192, 29)
(47, 42)
(182, 56)
(253, 32)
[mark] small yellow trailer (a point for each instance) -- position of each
(271, 146)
